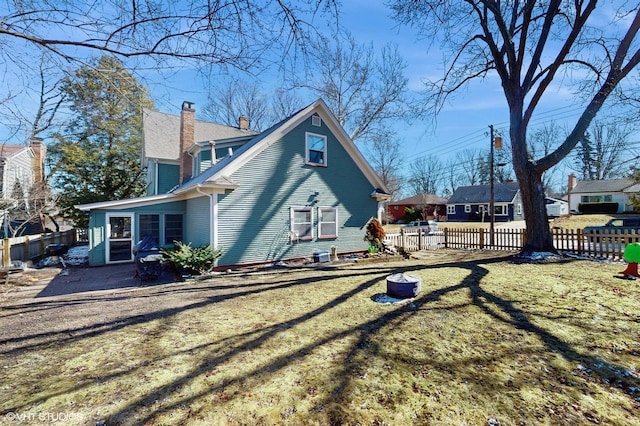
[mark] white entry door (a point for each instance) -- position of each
(119, 238)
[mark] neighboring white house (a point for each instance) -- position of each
(618, 191)
(23, 165)
(556, 207)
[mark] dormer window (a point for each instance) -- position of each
(316, 149)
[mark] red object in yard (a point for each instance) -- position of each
(632, 270)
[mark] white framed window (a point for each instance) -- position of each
(451, 209)
(301, 223)
(327, 222)
(316, 120)
(501, 210)
(467, 208)
(518, 209)
(316, 149)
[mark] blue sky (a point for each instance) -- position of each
(463, 122)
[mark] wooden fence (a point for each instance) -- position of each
(32, 247)
(608, 244)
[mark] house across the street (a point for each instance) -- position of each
(428, 205)
(297, 188)
(602, 196)
(471, 203)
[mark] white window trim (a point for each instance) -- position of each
(294, 237)
(467, 208)
(504, 208)
(306, 149)
(451, 209)
(320, 222)
(109, 238)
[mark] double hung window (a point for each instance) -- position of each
(327, 222)
(301, 223)
(316, 149)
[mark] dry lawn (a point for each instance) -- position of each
(489, 340)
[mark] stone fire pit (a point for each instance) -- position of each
(403, 286)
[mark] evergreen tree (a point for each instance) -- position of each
(97, 157)
(584, 162)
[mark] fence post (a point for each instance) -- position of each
(6, 255)
(481, 238)
(25, 248)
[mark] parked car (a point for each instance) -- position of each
(613, 226)
(427, 226)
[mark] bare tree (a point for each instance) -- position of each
(425, 175)
(386, 158)
(238, 99)
(602, 150)
(542, 142)
(363, 90)
(247, 98)
(161, 36)
(236, 32)
(529, 44)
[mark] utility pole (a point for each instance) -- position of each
(492, 200)
(496, 143)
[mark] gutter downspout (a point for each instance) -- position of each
(156, 176)
(213, 214)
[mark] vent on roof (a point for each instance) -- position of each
(316, 120)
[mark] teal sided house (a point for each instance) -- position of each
(299, 187)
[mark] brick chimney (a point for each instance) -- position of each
(243, 123)
(39, 152)
(187, 139)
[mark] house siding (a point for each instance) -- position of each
(168, 177)
(197, 222)
(98, 226)
(17, 168)
(254, 219)
(474, 216)
(619, 198)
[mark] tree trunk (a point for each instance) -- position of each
(539, 238)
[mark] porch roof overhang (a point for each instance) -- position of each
(380, 195)
(127, 203)
(221, 183)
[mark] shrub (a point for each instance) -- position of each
(375, 233)
(410, 214)
(594, 208)
(199, 259)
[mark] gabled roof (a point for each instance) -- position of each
(217, 176)
(503, 193)
(602, 186)
(418, 200)
(229, 164)
(7, 150)
(162, 133)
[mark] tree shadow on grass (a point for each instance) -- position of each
(492, 305)
(20, 344)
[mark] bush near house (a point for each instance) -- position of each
(198, 259)
(375, 233)
(603, 208)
